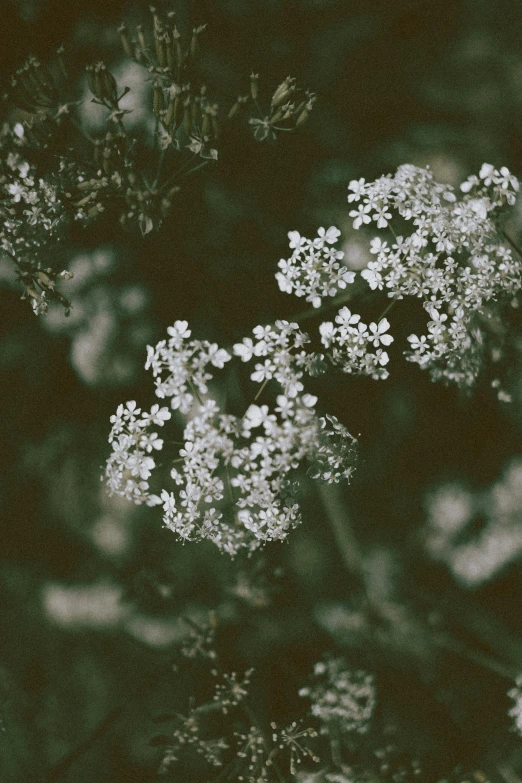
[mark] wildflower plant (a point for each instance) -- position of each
(233, 480)
(234, 477)
(116, 167)
(237, 443)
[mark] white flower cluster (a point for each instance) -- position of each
(452, 258)
(350, 343)
(279, 346)
(341, 696)
(336, 453)
(130, 464)
(315, 269)
(515, 711)
(185, 365)
(476, 559)
(231, 691)
(32, 216)
(233, 476)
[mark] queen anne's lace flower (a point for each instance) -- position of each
(453, 259)
(232, 480)
(315, 269)
(350, 343)
(279, 347)
(342, 697)
(180, 366)
(130, 465)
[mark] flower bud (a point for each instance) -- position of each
(125, 41)
(157, 99)
(194, 42)
(171, 57)
(283, 91)
(44, 280)
(206, 125)
(187, 117)
(141, 39)
(178, 111)
(254, 79)
(59, 53)
(91, 80)
(109, 86)
(196, 110)
(177, 46)
(242, 99)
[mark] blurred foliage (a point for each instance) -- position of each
(404, 81)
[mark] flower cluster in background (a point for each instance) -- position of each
(108, 324)
(341, 697)
(473, 556)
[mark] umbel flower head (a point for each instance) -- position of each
(315, 269)
(341, 697)
(233, 480)
(448, 252)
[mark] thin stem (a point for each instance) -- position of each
(512, 243)
(304, 315)
(387, 309)
(177, 172)
(261, 389)
(342, 530)
(230, 487)
(476, 656)
(161, 159)
(195, 392)
(196, 168)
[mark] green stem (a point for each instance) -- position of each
(304, 315)
(161, 159)
(476, 656)
(196, 168)
(261, 389)
(195, 392)
(387, 309)
(177, 172)
(512, 243)
(338, 517)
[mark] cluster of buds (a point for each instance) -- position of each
(39, 286)
(290, 107)
(147, 206)
(102, 83)
(35, 89)
(180, 101)
(163, 52)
